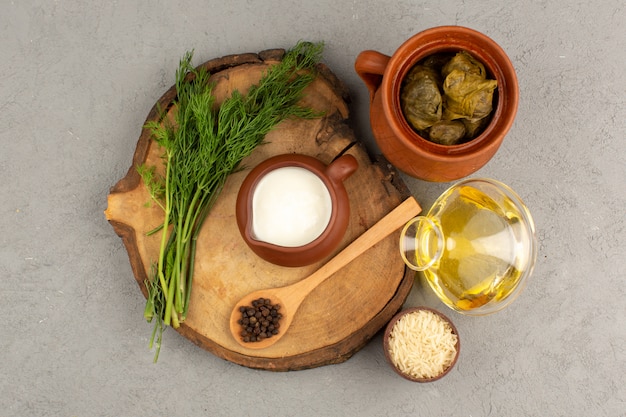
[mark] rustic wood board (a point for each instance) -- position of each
(348, 309)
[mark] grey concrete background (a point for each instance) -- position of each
(77, 80)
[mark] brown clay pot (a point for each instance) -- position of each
(399, 143)
(332, 176)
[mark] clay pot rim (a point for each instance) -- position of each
(392, 323)
(449, 39)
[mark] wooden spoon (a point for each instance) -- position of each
(291, 296)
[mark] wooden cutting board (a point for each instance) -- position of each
(341, 315)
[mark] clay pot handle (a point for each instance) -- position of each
(341, 168)
(370, 66)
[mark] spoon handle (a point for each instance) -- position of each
(383, 228)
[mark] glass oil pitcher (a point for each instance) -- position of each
(476, 246)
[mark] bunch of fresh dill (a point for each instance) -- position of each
(201, 148)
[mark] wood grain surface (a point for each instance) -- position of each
(340, 316)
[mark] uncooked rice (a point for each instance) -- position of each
(422, 345)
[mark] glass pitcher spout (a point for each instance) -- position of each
(421, 243)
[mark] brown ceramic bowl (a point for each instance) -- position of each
(390, 327)
(399, 143)
(332, 176)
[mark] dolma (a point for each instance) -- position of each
(420, 97)
(447, 132)
(466, 63)
(437, 61)
(467, 96)
(474, 128)
(447, 97)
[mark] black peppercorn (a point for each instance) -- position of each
(259, 321)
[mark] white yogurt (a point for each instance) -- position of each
(291, 206)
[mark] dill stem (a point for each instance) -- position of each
(175, 321)
(169, 299)
(164, 239)
(184, 251)
(177, 268)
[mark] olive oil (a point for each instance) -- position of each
(483, 252)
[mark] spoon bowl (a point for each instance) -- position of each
(276, 297)
(291, 296)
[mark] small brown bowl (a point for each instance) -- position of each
(332, 175)
(390, 327)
